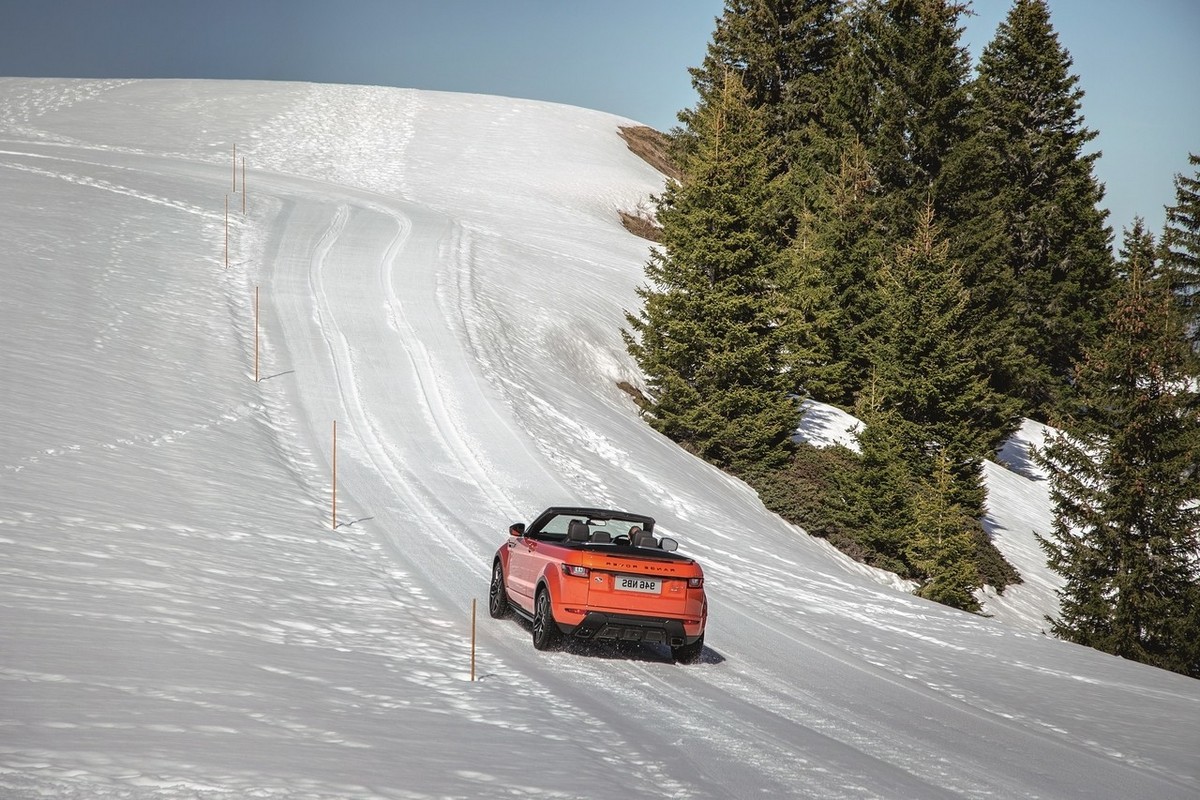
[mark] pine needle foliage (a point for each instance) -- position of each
(784, 51)
(901, 90)
(926, 361)
(1035, 242)
(927, 407)
(842, 239)
(709, 337)
(1125, 482)
(940, 546)
(883, 485)
(1181, 246)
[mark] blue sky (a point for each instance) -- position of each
(1137, 61)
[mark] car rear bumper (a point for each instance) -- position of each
(627, 628)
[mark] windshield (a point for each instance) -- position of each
(557, 526)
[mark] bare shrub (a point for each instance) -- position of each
(641, 226)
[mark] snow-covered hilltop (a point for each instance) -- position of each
(444, 276)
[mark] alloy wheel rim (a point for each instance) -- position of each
(496, 581)
(539, 619)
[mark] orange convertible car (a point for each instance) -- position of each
(594, 573)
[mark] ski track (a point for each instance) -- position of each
(347, 395)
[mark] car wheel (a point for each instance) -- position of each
(498, 606)
(545, 630)
(688, 653)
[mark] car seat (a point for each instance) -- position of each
(644, 539)
(578, 531)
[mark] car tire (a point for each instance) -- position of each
(546, 634)
(688, 653)
(498, 606)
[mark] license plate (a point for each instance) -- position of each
(636, 583)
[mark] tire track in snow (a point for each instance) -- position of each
(736, 741)
(386, 460)
(745, 744)
(351, 385)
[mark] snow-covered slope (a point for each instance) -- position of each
(444, 276)
(1018, 509)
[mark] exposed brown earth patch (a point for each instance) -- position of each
(652, 147)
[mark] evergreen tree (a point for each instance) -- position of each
(927, 403)
(1034, 241)
(709, 338)
(896, 114)
(783, 49)
(1181, 245)
(926, 358)
(883, 483)
(807, 321)
(941, 546)
(841, 240)
(901, 90)
(1125, 481)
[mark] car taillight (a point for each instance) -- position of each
(575, 571)
(695, 583)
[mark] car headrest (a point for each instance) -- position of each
(578, 531)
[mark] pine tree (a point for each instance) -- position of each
(709, 338)
(1125, 481)
(783, 49)
(1034, 243)
(926, 402)
(807, 321)
(1181, 245)
(926, 358)
(940, 546)
(901, 89)
(882, 485)
(896, 114)
(841, 240)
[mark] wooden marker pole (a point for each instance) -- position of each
(235, 167)
(255, 332)
(226, 231)
(243, 186)
(335, 475)
(472, 639)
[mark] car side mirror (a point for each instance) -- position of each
(516, 529)
(670, 545)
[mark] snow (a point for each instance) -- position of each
(445, 276)
(824, 425)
